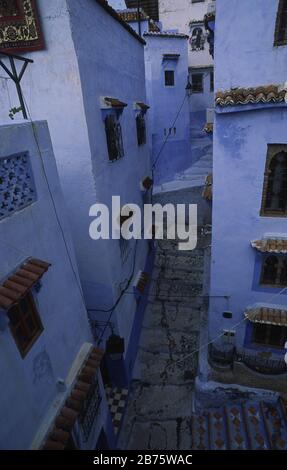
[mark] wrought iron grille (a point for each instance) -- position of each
(114, 137)
(141, 129)
(262, 365)
(90, 409)
(17, 188)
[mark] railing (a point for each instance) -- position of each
(268, 366)
(219, 357)
(261, 364)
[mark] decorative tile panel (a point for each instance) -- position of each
(17, 188)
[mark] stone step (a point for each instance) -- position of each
(176, 317)
(168, 341)
(193, 276)
(173, 434)
(147, 406)
(166, 289)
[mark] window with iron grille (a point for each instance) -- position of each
(281, 24)
(274, 200)
(269, 335)
(274, 271)
(25, 324)
(90, 409)
(169, 77)
(197, 82)
(114, 137)
(17, 188)
(141, 129)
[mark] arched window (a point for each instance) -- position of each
(274, 202)
(281, 24)
(274, 271)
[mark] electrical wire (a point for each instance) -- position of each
(168, 136)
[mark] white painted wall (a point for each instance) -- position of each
(178, 15)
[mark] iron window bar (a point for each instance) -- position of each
(15, 75)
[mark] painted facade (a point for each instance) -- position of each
(77, 84)
(166, 81)
(188, 17)
(249, 134)
(38, 265)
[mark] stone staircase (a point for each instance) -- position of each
(160, 400)
(195, 175)
(249, 425)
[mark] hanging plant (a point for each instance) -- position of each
(14, 111)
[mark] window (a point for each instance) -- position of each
(269, 335)
(212, 81)
(90, 409)
(281, 24)
(274, 200)
(197, 82)
(274, 271)
(169, 77)
(17, 188)
(114, 137)
(141, 129)
(25, 324)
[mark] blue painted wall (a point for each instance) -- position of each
(29, 384)
(241, 136)
(166, 102)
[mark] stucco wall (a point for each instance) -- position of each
(244, 51)
(166, 102)
(178, 15)
(64, 86)
(238, 176)
(240, 151)
(116, 69)
(29, 384)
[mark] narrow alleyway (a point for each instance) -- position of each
(160, 402)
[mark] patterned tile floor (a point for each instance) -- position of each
(117, 399)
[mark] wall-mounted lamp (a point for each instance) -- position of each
(188, 87)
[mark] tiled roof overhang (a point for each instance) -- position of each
(132, 15)
(242, 96)
(115, 103)
(104, 4)
(62, 427)
(267, 315)
(142, 106)
(271, 245)
(18, 284)
(166, 34)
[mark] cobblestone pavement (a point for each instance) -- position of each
(160, 402)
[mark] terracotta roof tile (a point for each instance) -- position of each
(18, 284)
(267, 315)
(271, 245)
(142, 281)
(242, 96)
(142, 105)
(131, 14)
(208, 128)
(115, 103)
(166, 34)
